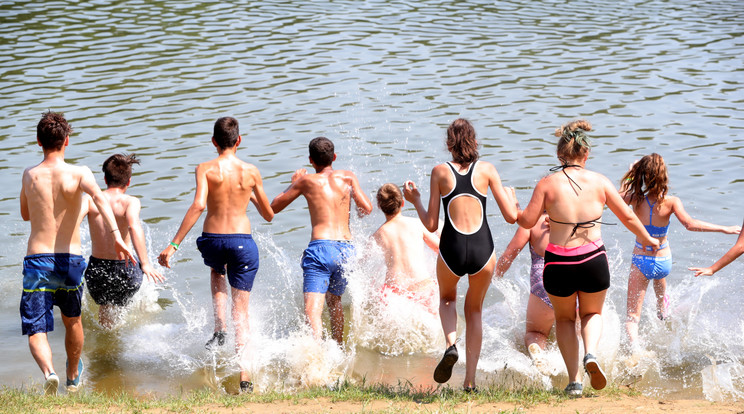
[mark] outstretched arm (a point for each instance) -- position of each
(260, 200)
(506, 199)
(727, 258)
(89, 186)
(626, 216)
(191, 217)
(528, 217)
(138, 240)
(291, 193)
(699, 225)
(430, 217)
(517, 243)
(364, 206)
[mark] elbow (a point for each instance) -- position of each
(511, 219)
(269, 216)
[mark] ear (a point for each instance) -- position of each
(215, 143)
(37, 141)
(129, 182)
(240, 139)
(67, 140)
(334, 157)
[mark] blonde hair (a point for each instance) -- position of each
(573, 142)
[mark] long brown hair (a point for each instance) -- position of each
(647, 177)
(461, 142)
(573, 142)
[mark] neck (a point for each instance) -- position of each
(54, 155)
(226, 152)
(327, 168)
(116, 190)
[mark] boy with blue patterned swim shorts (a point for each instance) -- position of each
(227, 185)
(51, 199)
(328, 193)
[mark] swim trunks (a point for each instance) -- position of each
(576, 269)
(233, 254)
(653, 267)
(112, 282)
(537, 287)
(465, 253)
(323, 266)
(423, 297)
(50, 279)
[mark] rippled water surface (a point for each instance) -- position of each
(382, 80)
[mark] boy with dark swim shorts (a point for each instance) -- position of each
(328, 193)
(51, 199)
(225, 186)
(111, 282)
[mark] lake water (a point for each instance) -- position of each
(382, 80)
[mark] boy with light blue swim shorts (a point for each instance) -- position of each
(227, 185)
(328, 193)
(51, 199)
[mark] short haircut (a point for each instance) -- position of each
(52, 130)
(226, 132)
(389, 199)
(117, 169)
(321, 151)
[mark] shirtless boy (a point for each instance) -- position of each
(328, 193)
(224, 187)
(111, 283)
(51, 198)
(402, 240)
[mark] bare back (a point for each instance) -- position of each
(402, 241)
(102, 242)
(51, 198)
(230, 183)
(568, 203)
(328, 196)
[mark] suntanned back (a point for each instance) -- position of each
(328, 196)
(403, 244)
(565, 202)
(101, 245)
(53, 199)
(230, 184)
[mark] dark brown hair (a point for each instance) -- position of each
(573, 142)
(117, 169)
(647, 177)
(226, 132)
(52, 130)
(321, 151)
(389, 199)
(461, 142)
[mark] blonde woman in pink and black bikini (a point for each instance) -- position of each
(576, 267)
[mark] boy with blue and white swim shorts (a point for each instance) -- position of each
(329, 194)
(51, 199)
